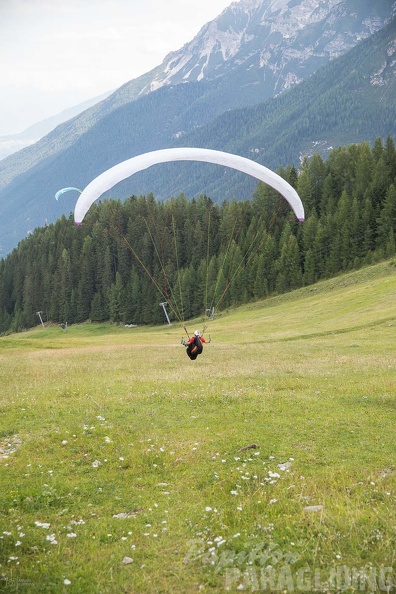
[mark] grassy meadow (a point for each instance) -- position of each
(125, 467)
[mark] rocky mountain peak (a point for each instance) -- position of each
(286, 39)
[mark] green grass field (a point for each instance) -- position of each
(122, 468)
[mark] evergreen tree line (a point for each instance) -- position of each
(129, 257)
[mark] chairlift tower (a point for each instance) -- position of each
(163, 304)
(210, 313)
(38, 313)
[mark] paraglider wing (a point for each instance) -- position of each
(63, 190)
(125, 169)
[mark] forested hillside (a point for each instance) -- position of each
(351, 99)
(128, 257)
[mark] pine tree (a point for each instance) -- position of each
(86, 287)
(317, 172)
(390, 158)
(65, 288)
(306, 191)
(97, 312)
(365, 167)
(309, 267)
(116, 299)
(378, 149)
(387, 223)
(260, 286)
(29, 304)
(289, 275)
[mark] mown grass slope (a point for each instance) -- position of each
(123, 468)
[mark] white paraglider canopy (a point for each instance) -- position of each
(125, 169)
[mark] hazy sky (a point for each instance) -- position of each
(55, 54)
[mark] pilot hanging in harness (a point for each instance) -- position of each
(194, 345)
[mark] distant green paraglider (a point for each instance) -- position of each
(63, 190)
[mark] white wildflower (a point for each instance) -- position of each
(44, 525)
(284, 466)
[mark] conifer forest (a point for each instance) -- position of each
(199, 256)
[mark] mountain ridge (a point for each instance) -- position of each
(33, 133)
(118, 127)
(279, 18)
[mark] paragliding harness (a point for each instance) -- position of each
(195, 348)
